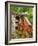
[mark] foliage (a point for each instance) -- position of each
(18, 10)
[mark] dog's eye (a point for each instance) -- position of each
(17, 17)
